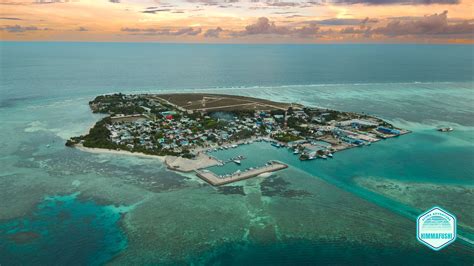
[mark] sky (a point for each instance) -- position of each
(239, 21)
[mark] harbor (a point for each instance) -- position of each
(217, 180)
(235, 161)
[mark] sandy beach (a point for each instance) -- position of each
(118, 152)
(172, 162)
(188, 165)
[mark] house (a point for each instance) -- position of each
(148, 110)
(388, 131)
(358, 123)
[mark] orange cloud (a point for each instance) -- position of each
(238, 21)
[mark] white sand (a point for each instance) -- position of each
(187, 165)
(118, 152)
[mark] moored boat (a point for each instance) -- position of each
(445, 129)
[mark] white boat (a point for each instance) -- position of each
(237, 162)
(324, 157)
(330, 155)
(445, 129)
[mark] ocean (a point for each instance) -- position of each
(62, 206)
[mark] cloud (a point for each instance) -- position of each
(9, 18)
(435, 24)
(365, 31)
(204, 2)
(189, 31)
(50, 1)
(394, 2)
(343, 21)
(18, 28)
(311, 3)
(265, 26)
(432, 25)
(282, 4)
(213, 33)
(154, 11)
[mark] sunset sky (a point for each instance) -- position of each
(244, 21)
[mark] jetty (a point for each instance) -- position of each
(215, 180)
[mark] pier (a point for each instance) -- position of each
(215, 180)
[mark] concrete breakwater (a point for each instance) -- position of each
(215, 180)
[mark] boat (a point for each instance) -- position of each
(304, 157)
(276, 145)
(330, 155)
(445, 129)
(324, 157)
(237, 162)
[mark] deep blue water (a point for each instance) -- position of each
(62, 231)
(45, 88)
(65, 69)
(300, 252)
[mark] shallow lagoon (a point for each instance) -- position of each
(261, 221)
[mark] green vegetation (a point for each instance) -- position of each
(98, 136)
(294, 122)
(244, 134)
(286, 137)
(333, 115)
(119, 104)
(211, 123)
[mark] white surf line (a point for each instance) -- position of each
(463, 238)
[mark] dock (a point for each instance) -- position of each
(214, 180)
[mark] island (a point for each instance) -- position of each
(184, 129)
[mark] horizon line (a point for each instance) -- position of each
(241, 43)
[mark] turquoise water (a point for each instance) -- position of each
(44, 91)
(401, 158)
(405, 161)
